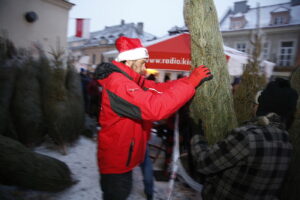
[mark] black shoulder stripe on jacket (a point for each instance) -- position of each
(123, 108)
(104, 69)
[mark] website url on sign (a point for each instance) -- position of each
(175, 61)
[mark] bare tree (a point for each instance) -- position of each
(213, 102)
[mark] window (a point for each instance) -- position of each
(93, 59)
(286, 53)
(236, 25)
(237, 22)
(279, 20)
(265, 51)
(241, 46)
(280, 15)
(103, 41)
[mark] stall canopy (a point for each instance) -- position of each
(174, 53)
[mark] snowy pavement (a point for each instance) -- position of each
(81, 159)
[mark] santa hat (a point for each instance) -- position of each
(130, 49)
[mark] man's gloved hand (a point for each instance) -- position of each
(200, 75)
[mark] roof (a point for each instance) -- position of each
(110, 33)
(265, 16)
(61, 3)
(280, 9)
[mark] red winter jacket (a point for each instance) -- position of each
(130, 104)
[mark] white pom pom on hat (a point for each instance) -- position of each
(130, 49)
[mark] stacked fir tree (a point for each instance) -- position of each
(39, 97)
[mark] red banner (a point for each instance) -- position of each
(79, 27)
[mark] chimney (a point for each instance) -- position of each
(295, 2)
(240, 6)
(122, 22)
(140, 28)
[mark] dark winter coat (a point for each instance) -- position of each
(249, 164)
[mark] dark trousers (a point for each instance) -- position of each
(116, 186)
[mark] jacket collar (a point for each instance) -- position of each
(136, 77)
(104, 69)
(271, 119)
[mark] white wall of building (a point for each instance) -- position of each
(48, 29)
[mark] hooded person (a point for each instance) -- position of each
(279, 98)
(130, 103)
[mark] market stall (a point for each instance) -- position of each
(171, 56)
(174, 53)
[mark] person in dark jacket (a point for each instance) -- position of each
(250, 163)
(130, 104)
(94, 93)
(84, 82)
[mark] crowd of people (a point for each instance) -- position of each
(250, 163)
(91, 91)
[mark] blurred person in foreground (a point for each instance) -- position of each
(251, 163)
(130, 104)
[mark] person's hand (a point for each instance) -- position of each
(199, 75)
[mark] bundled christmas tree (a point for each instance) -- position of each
(22, 167)
(217, 119)
(27, 104)
(251, 83)
(8, 64)
(62, 102)
(38, 97)
(252, 80)
(75, 100)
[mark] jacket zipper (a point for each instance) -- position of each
(130, 152)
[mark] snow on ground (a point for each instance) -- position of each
(81, 159)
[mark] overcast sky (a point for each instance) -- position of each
(158, 15)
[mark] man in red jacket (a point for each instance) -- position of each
(130, 104)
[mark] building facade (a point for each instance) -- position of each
(28, 22)
(103, 41)
(279, 25)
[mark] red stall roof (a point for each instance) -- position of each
(172, 53)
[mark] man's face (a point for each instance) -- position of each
(138, 66)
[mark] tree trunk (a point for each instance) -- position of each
(213, 102)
